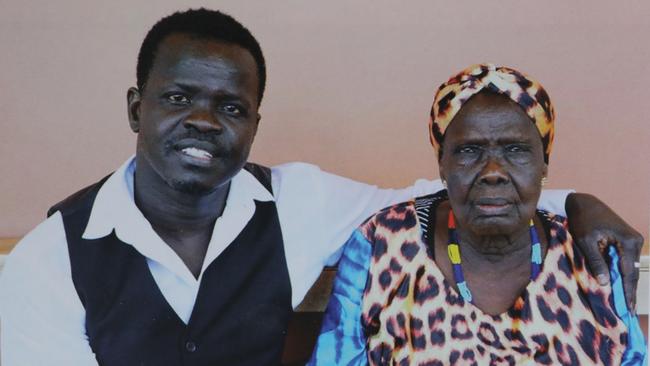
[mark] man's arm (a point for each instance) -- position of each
(318, 212)
(43, 320)
(593, 225)
(325, 209)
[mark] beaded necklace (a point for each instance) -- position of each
(453, 250)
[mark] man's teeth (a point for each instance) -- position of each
(197, 153)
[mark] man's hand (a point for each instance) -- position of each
(593, 225)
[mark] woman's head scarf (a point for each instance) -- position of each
(526, 92)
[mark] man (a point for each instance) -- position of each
(181, 256)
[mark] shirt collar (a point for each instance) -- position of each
(114, 207)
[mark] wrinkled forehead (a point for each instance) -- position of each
(492, 116)
(527, 93)
(487, 103)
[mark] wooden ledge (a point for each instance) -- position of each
(7, 244)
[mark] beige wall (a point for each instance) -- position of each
(350, 86)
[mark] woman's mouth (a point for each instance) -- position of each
(491, 206)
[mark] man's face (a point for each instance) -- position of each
(197, 115)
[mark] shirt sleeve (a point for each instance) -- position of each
(342, 340)
(43, 320)
(331, 207)
(318, 212)
(553, 200)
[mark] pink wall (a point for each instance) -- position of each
(350, 86)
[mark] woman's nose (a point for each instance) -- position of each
(493, 172)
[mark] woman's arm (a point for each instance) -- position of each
(342, 340)
(635, 352)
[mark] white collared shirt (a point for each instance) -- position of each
(43, 320)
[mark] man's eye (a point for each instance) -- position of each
(232, 109)
(178, 99)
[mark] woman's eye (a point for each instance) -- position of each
(467, 149)
(516, 148)
(178, 99)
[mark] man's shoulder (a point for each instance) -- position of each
(299, 178)
(76, 200)
(42, 248)
(261, 173)
(295, 167)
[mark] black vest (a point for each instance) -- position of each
(242, 308)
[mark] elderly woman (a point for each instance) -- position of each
(476, 275)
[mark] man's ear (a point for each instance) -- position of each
(257, 124)
(133, 101)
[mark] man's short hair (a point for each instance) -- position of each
(201, 23)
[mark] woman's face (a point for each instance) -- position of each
(493, 162)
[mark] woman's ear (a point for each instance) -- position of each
(442, 175)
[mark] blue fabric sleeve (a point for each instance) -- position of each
(636, 352)
(342, 340)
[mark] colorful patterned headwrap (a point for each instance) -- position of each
(526, 92)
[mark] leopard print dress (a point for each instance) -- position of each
(409, 314)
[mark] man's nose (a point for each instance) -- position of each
(493, 171)
(203, 120)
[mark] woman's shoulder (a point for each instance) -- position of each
(394, 218)
(400, 217)
(556, 227)
(564, 255)
(569, 288)
(553, 219)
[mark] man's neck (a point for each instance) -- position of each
(182, 220)
(174, 210)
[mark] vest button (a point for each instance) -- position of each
(190, 346)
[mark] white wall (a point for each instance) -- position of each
(349, 88)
